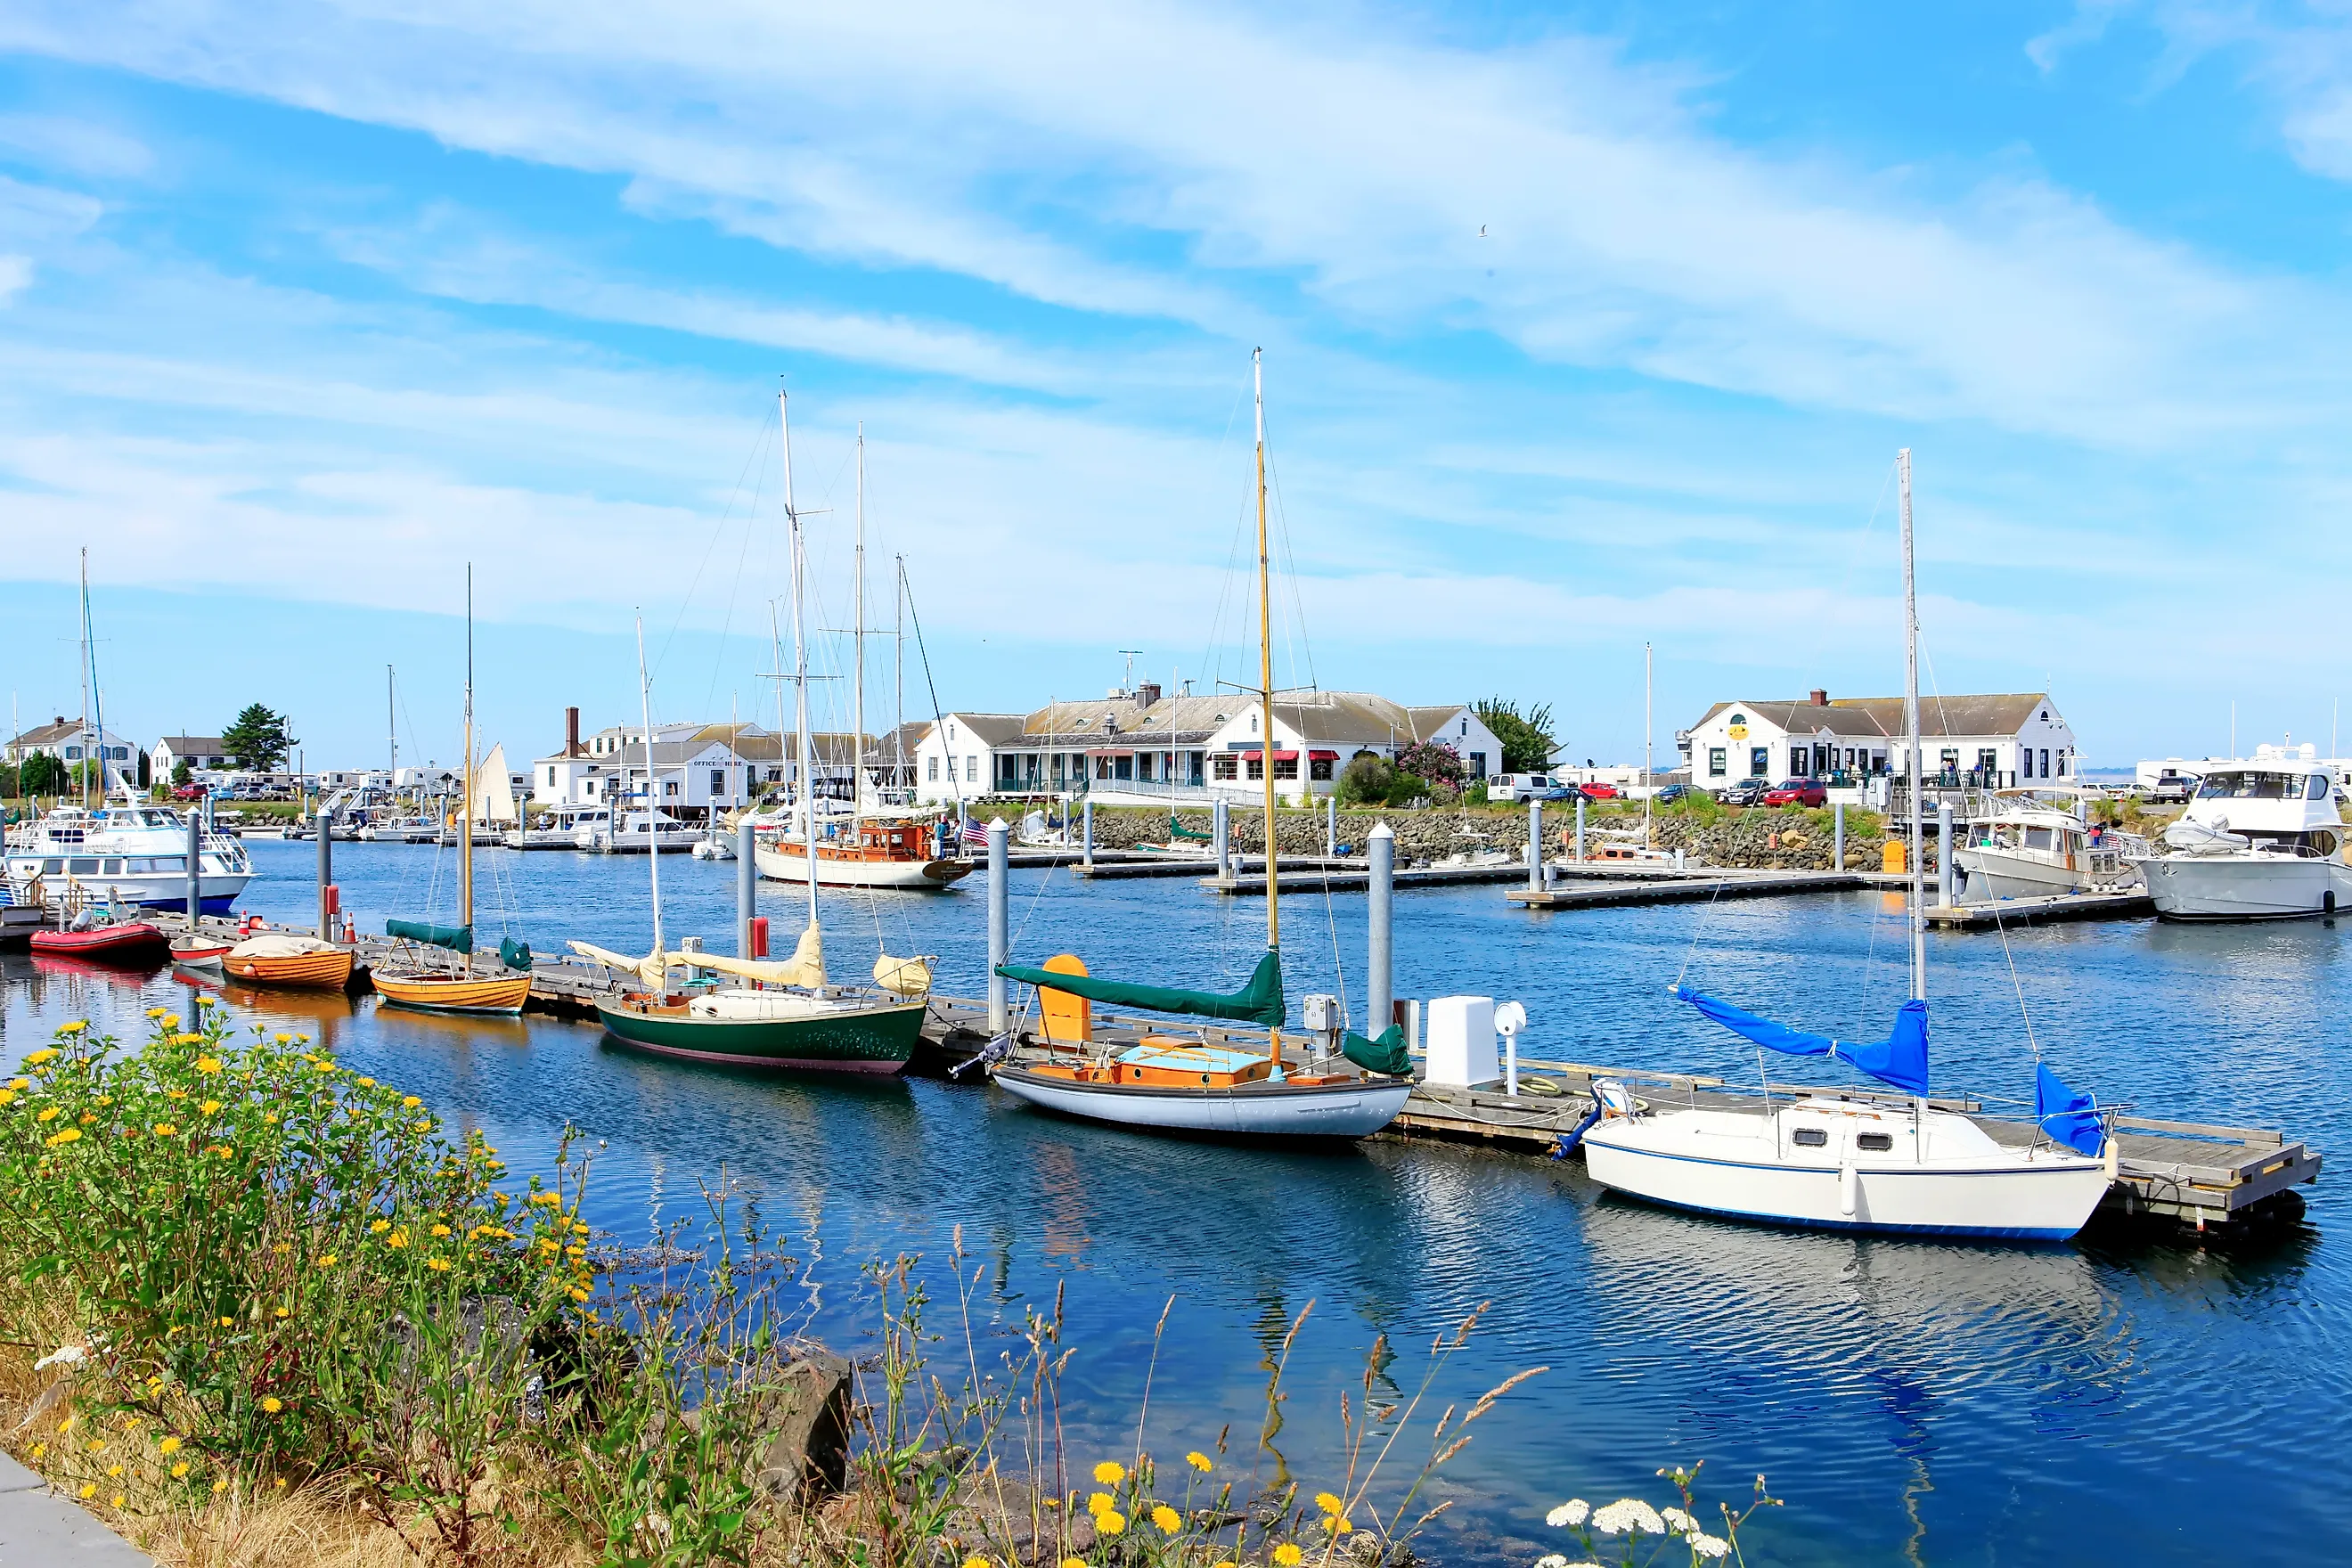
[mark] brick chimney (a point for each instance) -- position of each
(571, 731)
(1821, 697)
(1147, 692)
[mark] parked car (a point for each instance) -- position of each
(1599, 792)
(2172, 789)
(1526, 787)
(1796, 792)
(1671, 793)
(189, 792)
(1747, 791)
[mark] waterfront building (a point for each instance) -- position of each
(1143, 745)
(198, 752)
(69, 741)
(1990, 742)
(702, 768)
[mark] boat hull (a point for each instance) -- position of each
(301, 972)
(1994, 875)
(2016, 1200)
(2246, 887)
(876, 1042)
(198, 954)
(781, 866)
(500, 994)
(120, 943)
(1356, 1110)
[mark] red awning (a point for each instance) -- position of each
(1322, 756)
(1278, 756)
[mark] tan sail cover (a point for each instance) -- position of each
(907, 976)
(280, 945)
(649, 969)
(494, 799)
(805, 968)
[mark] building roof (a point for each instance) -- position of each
(48, 734)
(994, 729)
(1359, 717)
(2003, 713)
(891, 744)
(1171, 721)
(194, 745)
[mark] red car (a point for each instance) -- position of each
(1796, 791)
(1597, 791)
(189, 792)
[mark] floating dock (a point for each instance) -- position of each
(1583, 889)
(2118, 906)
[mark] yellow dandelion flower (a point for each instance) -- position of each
(206, 1065)
(975, 1563)
(396, 1241)
(285, 1311)
(280, 1481)
(209, 1106)
(224, 1152)
(327, 1261)
(438, 1265)
(271, 1405)
(48, 1113)
(1327, 1502)
(117, 1499)
(39, 1449)
(579, 1295)
(1073, 1563)
(409, 1102)
(380, 1227)
(1111, 1521)
(367, 1083)
(114, 1471)
(96, 1446)
(283, 1039)
(186, 1039)
(1287, 1556)
(440, 1230)
(47, 1054)
(180, 1470)
(1337, 1524)
(1165, 1518)
(70, 1135)
(325, 1066)
(7, 1095)
(168, 1445)
(1199, 1461)
(1099, 1502)
(165, 1129)
(75, 1027)
(154, 1012)
(221, 1485)
(1110, 1472)
(20, 1084)
(88, 1490)
(225, 1322)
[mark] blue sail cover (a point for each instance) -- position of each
(2067, 1115)
(1900, 1059)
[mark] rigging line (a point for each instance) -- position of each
(1698, 932)
(2015, 985)
(1209, 662)
(734, 590)
(1290, 561)
(759, 445)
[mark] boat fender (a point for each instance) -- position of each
(1848, 1190)
(2328, 901)
(2107, 1156)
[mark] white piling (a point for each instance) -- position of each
(196, 866)
(1535, 846)
(1380, 850)
(1944, 852)
(1580, 826)
(747, 881)
(1221, 825)
(1000, 927)
(1332, 824)
(326, 875)
(1089, 853)
(1837, 834)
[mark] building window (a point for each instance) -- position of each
(1988, 762)
(972, 767)
(592, 789)
(1258, 767)
(1122, 768)
(935, 769)
(1285, 767)
(73, 754)
(1477, 765)
(1760, 762)
(551, 778)
(1196, 769)
(2061, 765)
(1143, 766)
(2046, 762)
(1319, 768)
(669, 786)
(718, 780)
(1226, 771)
(1716, 761)
(1797, 760)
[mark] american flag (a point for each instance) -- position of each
(974, 834)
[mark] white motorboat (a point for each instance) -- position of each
(1874, 1164)
(711, 846)
(128, 854)
(2031, 849)
(2264, 839)
(560, 829)
(637, 833)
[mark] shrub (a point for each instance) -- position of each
(1366, 780)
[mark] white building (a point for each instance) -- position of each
(1996, 742)
(702, 768)
(70, 741)
(1143, 745)
(197, 753)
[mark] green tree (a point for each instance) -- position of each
(258, 742)
(1526, 737)
(180, 773)
(41, 773)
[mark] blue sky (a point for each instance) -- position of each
(302, 307)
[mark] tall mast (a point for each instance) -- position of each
(857, 639)
(86, 681)
(1649, 742)
(1916, 769)
(653, 840)
(800, 665)
(1265, 677)
(390, 731)
(898, 775)
(466, 832)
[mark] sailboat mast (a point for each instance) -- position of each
(857, 639)
(86, 680)
(391, 732)
(898, 774)
(1649, 741)
(465, 829)
(1265, 677)
(653, 840)
(800, 665)
(1916, 769)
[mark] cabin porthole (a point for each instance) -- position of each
(1878, 1142)
(1809, 1137)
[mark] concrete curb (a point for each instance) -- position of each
(38, 1529)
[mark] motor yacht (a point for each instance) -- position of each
(2264, 839)
(638, 832)
(2032, 848)
(127, 854)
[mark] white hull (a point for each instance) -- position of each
(713, 849)
(1735, 1165)
(790, 866)
(541, 838)
(1998, 874)
(2246, 887)
(602, 841)
(1244, 1111)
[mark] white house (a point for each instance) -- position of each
(701, 767)
(1994, 741)
(195, 751)
(1143, 745)
(68, 740)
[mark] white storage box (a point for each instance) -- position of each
(1460, 1031)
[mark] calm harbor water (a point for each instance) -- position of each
(1913, 1400)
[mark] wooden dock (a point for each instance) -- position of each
(1580, 890)
(2119, 906)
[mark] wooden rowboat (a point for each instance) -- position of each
(454, 993)
(303, 971)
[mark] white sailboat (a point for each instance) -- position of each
(1862, 1162)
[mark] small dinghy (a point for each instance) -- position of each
(128, 942)
(198, 951)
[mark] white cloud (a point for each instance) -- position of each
(15, 272)
(82, 146)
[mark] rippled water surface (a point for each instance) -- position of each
(1912, 1401)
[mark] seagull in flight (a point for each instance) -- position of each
(1482, 231)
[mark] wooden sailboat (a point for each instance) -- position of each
(787, 1015)
(1174, 1084)
(413, 978)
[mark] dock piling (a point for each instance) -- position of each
(999, 912)
(326, 877)
(1579, 825)
(1222, 826)
(1837, 836)
(1380, 850)
(1535, 845)
(1089, 813)
(1331, 825)
(747, 885)
(1944, 853)
(196, 866)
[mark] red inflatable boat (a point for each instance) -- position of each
(134, 941)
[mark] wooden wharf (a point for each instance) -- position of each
(2116, 906)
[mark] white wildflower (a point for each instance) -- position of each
(1678, 1521)
(1626, 1515)
(64, 1356)
(1570, 1514)
(1554, 1560)
(1703, 1546)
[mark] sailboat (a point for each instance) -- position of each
(787, 1015)
(876, 852)
(1867, 1161)
(413, 978)
(1174, 1084)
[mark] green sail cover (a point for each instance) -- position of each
(514, 954)
(1178, 830)
(1259, 1002)
(457, 939)
(1384, 1055)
